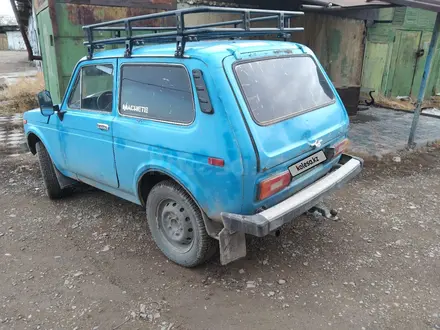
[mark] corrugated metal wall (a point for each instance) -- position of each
(15, 40)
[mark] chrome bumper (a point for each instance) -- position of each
(269, 220)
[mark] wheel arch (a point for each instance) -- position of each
(151, 177)
(34, 135)
(32, 140)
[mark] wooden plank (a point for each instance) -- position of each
(399, 16)
(376, 55)
(339, 45)
(419, 19)
(406, 63)
(389, 84)
(424, 44)
(387, 71)
(381, 33)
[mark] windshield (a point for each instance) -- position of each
(279, 88)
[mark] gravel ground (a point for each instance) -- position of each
(379, 131)
(88, 262)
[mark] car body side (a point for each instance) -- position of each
(141, 148)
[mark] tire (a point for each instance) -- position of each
(177, 226)
(50, 179)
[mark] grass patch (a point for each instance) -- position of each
(21, 95)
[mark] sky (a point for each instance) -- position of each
(5, 8)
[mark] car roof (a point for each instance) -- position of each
(202, 49)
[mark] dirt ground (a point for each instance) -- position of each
(88, 261)
(14, 62)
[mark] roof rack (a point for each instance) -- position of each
(181, 34)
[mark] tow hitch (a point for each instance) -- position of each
(326, 212)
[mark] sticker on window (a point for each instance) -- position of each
(157, 92)
(134, 108)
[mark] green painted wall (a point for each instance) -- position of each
(338, 43)
(61, 36)
(391, 66)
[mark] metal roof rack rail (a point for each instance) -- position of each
(181, 34)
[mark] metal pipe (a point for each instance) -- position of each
(222, 23)
(194, 10)
(425, 79)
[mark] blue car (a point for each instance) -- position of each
(216, 136)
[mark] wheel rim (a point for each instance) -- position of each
(175, 225)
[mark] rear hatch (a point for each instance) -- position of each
(289, 104)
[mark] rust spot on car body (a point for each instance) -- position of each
(283, 51)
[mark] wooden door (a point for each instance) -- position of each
(405, 67)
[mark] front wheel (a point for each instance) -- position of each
(50, 179)
(177, 226)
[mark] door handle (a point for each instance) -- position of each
(103, 127)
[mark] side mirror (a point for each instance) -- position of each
(46, 105)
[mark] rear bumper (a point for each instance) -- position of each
(269, 220)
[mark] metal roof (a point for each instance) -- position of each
(335, 5)
(432, 5)
(358, 3)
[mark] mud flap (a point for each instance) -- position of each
(232, 246)
(63, 180)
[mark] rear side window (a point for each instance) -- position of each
(157, 92)
(279, 88)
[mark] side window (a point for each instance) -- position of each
(157, 92)
(93, 89)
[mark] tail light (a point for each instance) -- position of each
(274, 184)
(341, 147)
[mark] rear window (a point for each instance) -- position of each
(279, 88)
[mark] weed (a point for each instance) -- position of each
(21, 95)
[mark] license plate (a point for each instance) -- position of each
(308, 163)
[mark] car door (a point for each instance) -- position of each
(87, 134)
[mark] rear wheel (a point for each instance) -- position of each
(177, 226)
(50, 179)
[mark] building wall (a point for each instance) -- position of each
(59, 26)
(337, 41)
(197, 19)
(33, 37)
(3, 41)
(15, 40)
(391, 66)
(339, 45)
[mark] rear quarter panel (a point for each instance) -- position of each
(143, 145)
